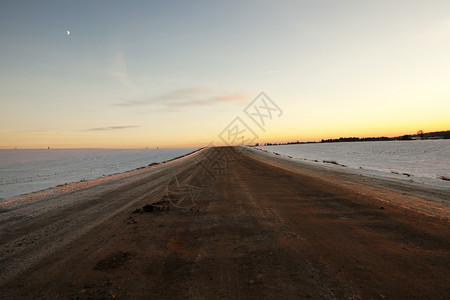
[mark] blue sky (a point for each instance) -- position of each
(175, 73)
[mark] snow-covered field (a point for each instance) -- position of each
(25, 171)
(423, 160)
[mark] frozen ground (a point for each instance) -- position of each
(25, 171)
(424, 161)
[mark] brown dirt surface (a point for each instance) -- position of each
(230, 223)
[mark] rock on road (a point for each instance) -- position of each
(248, 225)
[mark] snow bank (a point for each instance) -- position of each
(421, 160)
(25, 171)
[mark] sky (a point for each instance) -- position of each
(135, 74)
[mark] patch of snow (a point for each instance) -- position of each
(25, 171)
(420, 161)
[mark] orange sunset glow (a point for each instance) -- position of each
(78, 81)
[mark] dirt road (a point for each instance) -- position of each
(248, 226)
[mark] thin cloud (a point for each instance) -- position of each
(185, 93)
(110, 128)
(271, 71)
(193, 96)
(30, 130)
(119, 71)
(236, 97)
(131, 103)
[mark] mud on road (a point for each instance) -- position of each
(230, 223)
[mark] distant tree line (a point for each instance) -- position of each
(407, 137)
